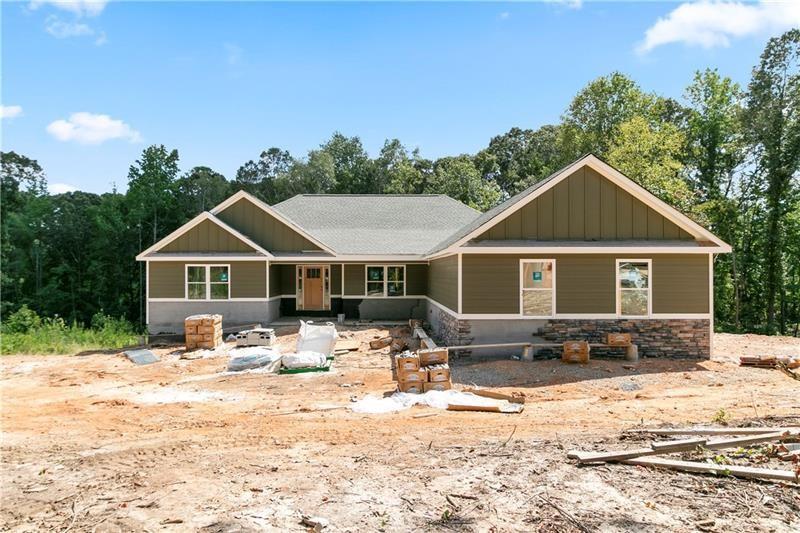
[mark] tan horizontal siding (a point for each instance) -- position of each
(263, 228)
(443, 281)
(416, 279)
(248, 279)
(585, 284)
(585, 206)
(207, 237)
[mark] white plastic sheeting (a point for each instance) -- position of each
(399, 401)
(253, 357)
(314, 338)
(304, 359)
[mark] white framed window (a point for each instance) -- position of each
(537, 284)
(634, 287)
(384, 281)
(208, 282)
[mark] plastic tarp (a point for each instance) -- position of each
(304, 359)
(254, 357)
(400, 401)
(314, 338)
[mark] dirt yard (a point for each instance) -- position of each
(95, 443)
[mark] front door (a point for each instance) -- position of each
(313, 297)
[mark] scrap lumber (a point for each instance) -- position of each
(507, 408)
(670, 445)
(513, 398)
(377, 344)
(712, 431)
(622, 455)
(349, 345)
(708, 468)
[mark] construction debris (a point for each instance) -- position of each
(203, 331)
(639, 456)
(514, 397)
(381, 343)
(141, 357)
(712, 431)
(770, 361)
(250, 358)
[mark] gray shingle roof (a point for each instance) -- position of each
(496, 210)
(383, 224)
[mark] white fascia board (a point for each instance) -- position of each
(205, 215)
(402, 259)
(586, 250)
(203, 258)
(271, 211)
(619, 179)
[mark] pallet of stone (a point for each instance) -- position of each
(439, 385)
(618, 339)
(416, 376)
(406, 361)
(575, 352)
(203, 331)
(433, 356)
(438, 373)
(411, 387)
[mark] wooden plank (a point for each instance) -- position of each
(713, 431)
(621, 455)
(667, 446)
(496, 395)
(707, 468)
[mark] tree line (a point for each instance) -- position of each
(726, 155)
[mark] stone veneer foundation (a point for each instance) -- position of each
(654, 337)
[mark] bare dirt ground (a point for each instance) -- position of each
(95, 443)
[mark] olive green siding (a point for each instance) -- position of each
(336, 280)
(416, 279)
(585, 284)
(354, 280)
(248, 279)
(680, 284)
(275, 280)
(443, 281)
(585, 206)
(287, 283)
(263, 228)
(207, 237)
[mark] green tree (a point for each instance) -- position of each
(458, 178)
(260, 177)
(151, 192)
(773, 129)
(353, 170)
(199, 190)
(398, 171)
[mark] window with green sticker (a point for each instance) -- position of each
(207, 282)
(537, 298)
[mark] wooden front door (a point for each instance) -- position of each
(313, 298)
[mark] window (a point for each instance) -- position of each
(207, 282)
(383, 281)
(633, 287)
(537, 287)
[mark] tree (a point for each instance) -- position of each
(521, 157)
(650, 156)
(199, 190)
(397, 171)
(352, 166)
(151, 191)
(773, 129)
(316, 175)
(593, 116)
(259, 177)
(458, 178)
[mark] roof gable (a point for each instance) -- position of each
(205, 233)
(655, 219)
(266, 226)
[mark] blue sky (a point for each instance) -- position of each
(86, 86)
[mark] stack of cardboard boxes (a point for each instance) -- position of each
(203, 331)
(423, 371)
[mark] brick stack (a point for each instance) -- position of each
(423, 371)
(203, 331)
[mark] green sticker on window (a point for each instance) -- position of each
(537, 276)
(223, 276)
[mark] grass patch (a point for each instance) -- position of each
(26, 333)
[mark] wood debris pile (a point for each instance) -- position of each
(700, 441)
(770, 361)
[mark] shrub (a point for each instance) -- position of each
(22, 321)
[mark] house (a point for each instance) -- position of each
(583, 252)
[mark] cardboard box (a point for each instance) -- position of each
(439, 385)
(417, 376)
(406, 361)
(618, 339)
(432, 356)
(410, 387)
(438, 373)
(575, 352)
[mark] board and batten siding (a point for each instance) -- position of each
(263, 228)
(443, 281)
(585, 206)
(248, 279)
(585, 284)
(207, 237)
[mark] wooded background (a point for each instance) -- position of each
(728, 156)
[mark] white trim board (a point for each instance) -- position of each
(578, 250)
(191, 224)
(270, 211)
(616, 177)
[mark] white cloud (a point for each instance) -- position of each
(89, 128)
(89, 8)
(234, 53)
(505, 15)
(60, 188)
(62, 30)
(10, 111)
(710, 24)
